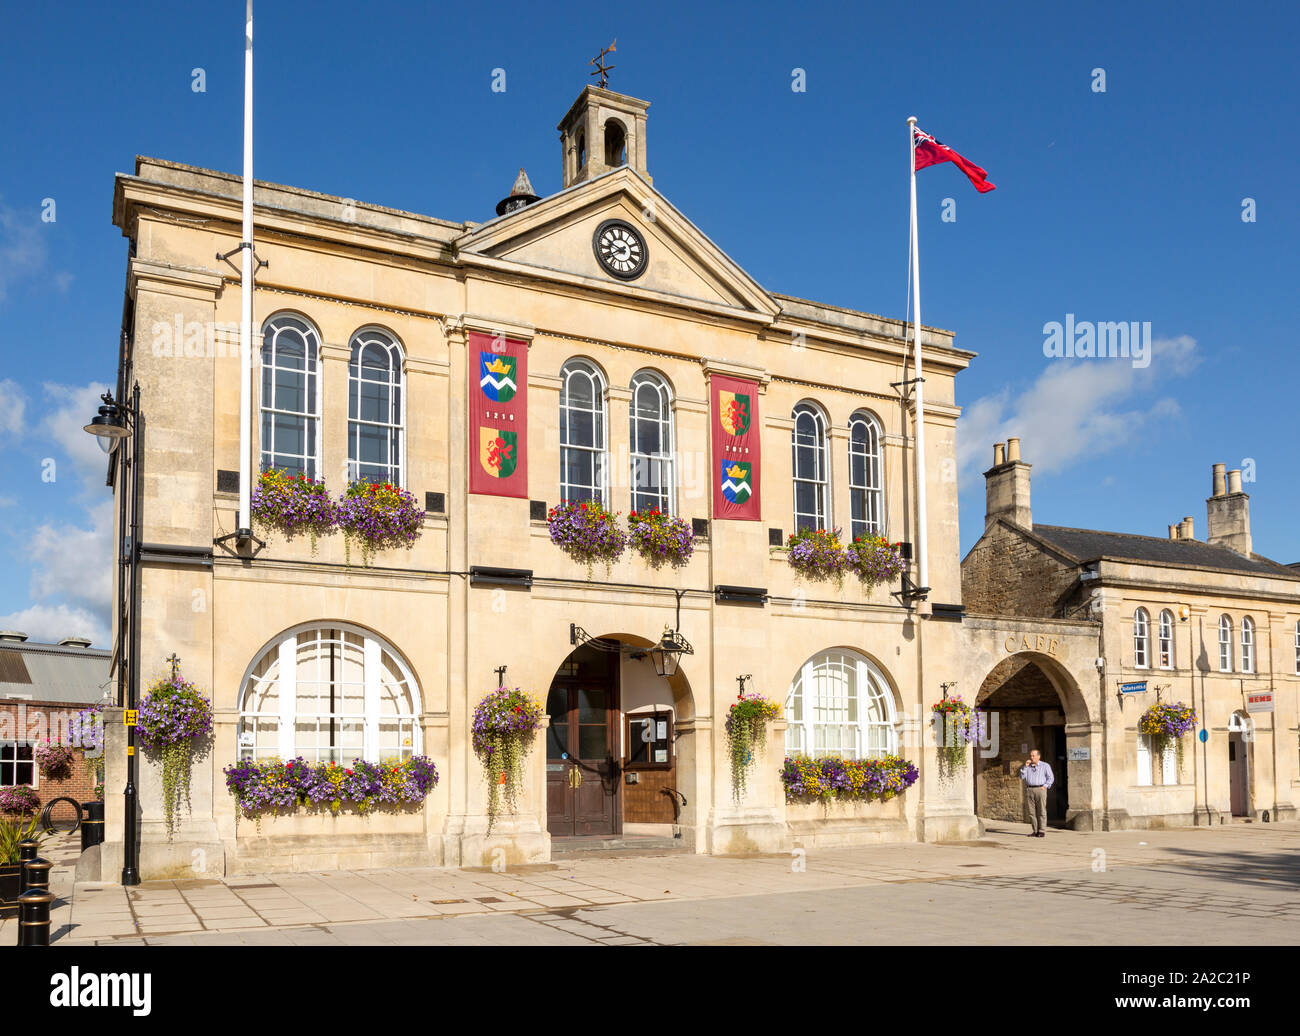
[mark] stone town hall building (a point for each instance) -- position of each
(625, 322)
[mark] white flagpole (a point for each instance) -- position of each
(922, 566)
(244, 525)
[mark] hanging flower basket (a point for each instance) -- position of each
(875, 560)
(294, 505)
(660, 539)
(19, 798)
(747, 734)
(53, 759)
(86, 731)
(956, 725)
(832, 777)
(173, 715)
(271, 784)
(504, 724)
(379, 516)
(817, 554)
(587, 531)
(1166, 723)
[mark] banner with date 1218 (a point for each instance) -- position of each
(498, 415)
(733, 406)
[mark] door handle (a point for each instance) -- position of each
(575, 777)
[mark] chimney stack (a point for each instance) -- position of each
(1228, 511)
(1006, 487)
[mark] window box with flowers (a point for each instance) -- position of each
(834, 779)
(274, 786)
(379, 516)
(817, 554)
(660, 538)
(19, 799)
(587, 531)
(294, 505)
(874, 560)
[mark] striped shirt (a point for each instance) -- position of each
(1037, 775)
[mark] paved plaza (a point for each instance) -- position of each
(1239, 883)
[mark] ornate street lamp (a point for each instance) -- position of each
(668, 652)
(114, 423)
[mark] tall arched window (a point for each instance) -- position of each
(866, 490)
(1141, 639)
(1297, 648)
(582, 432)
(812, 488)
(651, 426)
(841, 704)
(1225, 644)
(376, 407)
(1247, 645)
(290, 400)
(329, 693)
(1166, 639)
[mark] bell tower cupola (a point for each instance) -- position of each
(602, 131)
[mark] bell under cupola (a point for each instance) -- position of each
(520, 196)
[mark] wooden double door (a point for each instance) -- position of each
(583, 773)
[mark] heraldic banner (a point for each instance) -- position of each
(736, 435)
(498, 415)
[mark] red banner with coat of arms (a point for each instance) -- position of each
(498, 415)
(733, 405)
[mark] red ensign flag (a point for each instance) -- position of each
(931, 152)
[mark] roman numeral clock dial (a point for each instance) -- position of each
(620, 249)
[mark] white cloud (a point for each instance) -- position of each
(1075, 407)
(73, 563)
(65, 423)
(48, 624)
(22, 248)
(13, 407)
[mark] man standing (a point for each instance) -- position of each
(1037, 776)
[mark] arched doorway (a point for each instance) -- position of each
(1239, 738)
(1026, 710)
(619, 758)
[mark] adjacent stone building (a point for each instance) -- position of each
(588, 337)
(1174, 619)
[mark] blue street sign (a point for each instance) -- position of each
(1204, 735)
(1133, 688)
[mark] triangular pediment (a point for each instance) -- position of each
(555, 237)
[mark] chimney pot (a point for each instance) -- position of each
(1185, 531)
(1234, 480)
(999, 454)
(1013, 449)
(1173, 532)
(1219, 488)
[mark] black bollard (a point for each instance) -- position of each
(27, 850)
(92, 827)
(36, 876)
(34, 918)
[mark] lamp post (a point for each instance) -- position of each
(114, 423)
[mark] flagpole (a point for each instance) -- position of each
(244, 525)
(922, 565)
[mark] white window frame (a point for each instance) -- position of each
(283, 673)
(273, 326)
(1165, 635)
(819, 478)
(645, 498)
(1225, 644)
(9, 753)
(598, 489)
(376, 338)
(809, 708)
(1297, 648)
(1141, 639)
(866, 494)
(1247, 644)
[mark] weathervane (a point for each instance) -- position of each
(602, 69)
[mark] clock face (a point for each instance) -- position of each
(620, 249)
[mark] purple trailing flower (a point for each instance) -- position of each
(19, 798)
(173, 712)
(86, 730)
(875, 560)
(380, 515)
(272, 784)
(294, 504)
(817, 553)
(832, 777)
(660, 538)
(587, 531)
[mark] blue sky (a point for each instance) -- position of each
(1122, 205)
